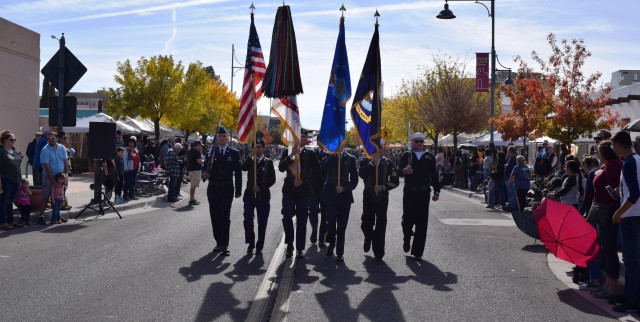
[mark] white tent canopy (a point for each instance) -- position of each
(82, 125)
(139, 125)
(497, 140)
(447, 140)
(164, 131)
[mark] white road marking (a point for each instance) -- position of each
(260, 301)
(478, 222)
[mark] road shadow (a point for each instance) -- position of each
(220, 303)
(335, 302)
(380, 304)
(60, 229)
(537, 249)
(429, 274)
(186, 208)
(209, 264)
(571, 298)
(247, 266)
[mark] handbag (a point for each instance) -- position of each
(599, 214)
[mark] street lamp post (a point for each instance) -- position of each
(61, 88)
(234, 69)
(448, 14)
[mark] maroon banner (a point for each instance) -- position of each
(482, 72)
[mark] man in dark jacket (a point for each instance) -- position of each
(337, 197)
(224, 172)
(419, 170)
(379, 176)
(257, 196)
(300, 166)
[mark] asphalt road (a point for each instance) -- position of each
(156, 264)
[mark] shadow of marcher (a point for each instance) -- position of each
(186, 208)
(571, 298)
(537, 249)
(380, 304)
(209, 264)
(248, 265)
(219, 303)
(429, 274)
(335, 301)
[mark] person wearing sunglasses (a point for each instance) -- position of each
(10, 161)
(418, 168)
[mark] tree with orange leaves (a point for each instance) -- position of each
(528, 115)
(575, 105)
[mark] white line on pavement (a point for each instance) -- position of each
(261, 300)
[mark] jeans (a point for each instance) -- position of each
(172, 193)
(511, 193)
(608, 235)
(129, 183)
(8, 195)
(491, 198)
(502, 193)
(55, 211)
(630, 242)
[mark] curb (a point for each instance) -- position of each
(465, 193)
(559, 268)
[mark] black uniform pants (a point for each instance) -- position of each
(415, 205)
(261, 205)
(220, 199)
(316, 217)
(374, 221)
(295, 206)
(337, 220)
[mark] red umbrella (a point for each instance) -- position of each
(566, 233)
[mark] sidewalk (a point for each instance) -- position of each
(79, 195)
(560, 267)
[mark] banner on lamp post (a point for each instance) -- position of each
(482, 72)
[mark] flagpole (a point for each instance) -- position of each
(255, 132)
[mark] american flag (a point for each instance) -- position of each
(256, 66)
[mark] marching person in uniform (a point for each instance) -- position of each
(337, 197)
(224, 171)
(257, 196)
(317, 218)
(419, 170)
(296, 191)
(375, 199)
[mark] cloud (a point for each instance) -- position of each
(139, 11)
(168, 46)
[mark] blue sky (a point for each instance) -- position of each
(102, 32)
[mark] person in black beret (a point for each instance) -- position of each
(223, 169)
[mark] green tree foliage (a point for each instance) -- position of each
(159, 89)
(150, 90)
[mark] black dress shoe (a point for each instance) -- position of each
(64, 221)
(41, 221)
(299, 254)
(258, 252)
(225, 251)
(250, 249)
(289, 252)
(378, 259)
(406, 246)
(65, 207)
(321, 244)
(339, 259)
(417, 258)
(330, 251)
(314, 237)
(367, 245)
(217, 249)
